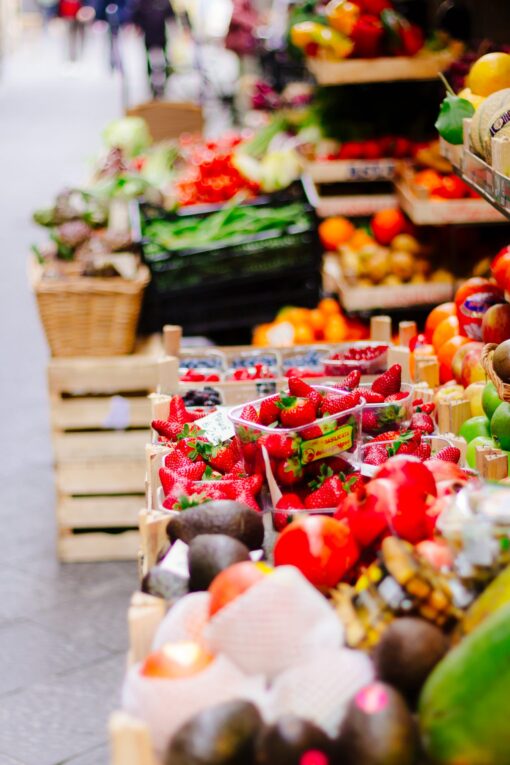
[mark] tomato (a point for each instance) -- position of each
(451, 188)
(322, 548)
(371, 150)
(350, 150)
(387, 224)
(500, 268)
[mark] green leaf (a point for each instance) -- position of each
(286, 402)
(325, 472)
(452, 112)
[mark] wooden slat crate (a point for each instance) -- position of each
(100, 415)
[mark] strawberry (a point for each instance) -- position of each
(391, 435)
(320, 498)
(269, 412)
(354, 484)
(423, 422)
(289, 472)
(352, 380)
(167, 429)
(417, 402)
(249, 413)
(189, 431)
(295, 411)
(193, 448)
(423, 451)
(369, 421)
(375, 455)
(332, 404)
(426, 408)
(370, 396)
(177, 461)
(183, 501)
(278, 445)
(448, 454)
(281, 520)
(178, 412)
(248, 499)
(389, 382)
(289, 502)
(223, 457)
(396, 396)
(327, 490)
(239, 468)
(298, 387)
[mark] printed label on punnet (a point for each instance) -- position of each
(216, 426)
(327, 446)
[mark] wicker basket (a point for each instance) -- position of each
(88, 316)
(502, 388)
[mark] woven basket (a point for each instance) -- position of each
(502, 388)
(88, 316)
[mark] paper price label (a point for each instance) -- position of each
(216, 426)
(327, 446)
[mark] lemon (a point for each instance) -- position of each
(473, 99)
(489, 74)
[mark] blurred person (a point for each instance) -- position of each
(69, 10)
(151, 16)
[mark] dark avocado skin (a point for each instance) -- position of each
(221, 735)
(223, 516)
(164, 584)
(386, 737)
(209, 554)
(407, 653)
(285, 742)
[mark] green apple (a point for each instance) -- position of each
(500, 426)
(490, 400)
(471, 449)
(475, 426)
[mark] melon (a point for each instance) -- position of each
(490, 119)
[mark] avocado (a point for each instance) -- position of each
(164, 584)
(463, 705)
(378, 729)
(224, 734)
(285, 742)
(407, 653)
(208, 554)
(222, 516)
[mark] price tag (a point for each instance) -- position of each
(216, 426)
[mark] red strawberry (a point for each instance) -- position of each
(423, 422)
(223, 457)
(448, 454)
(426, 408)
(289, 472)
(269, 412)
(417, 402)
(352, 380)
(298, 387)
(322, 497)
(290, 502)
(167, 429)
(248, 499)
(177, 461)
(295, 412)
(375, 455)
(389, 382)
(278, 445)
(178, 411)
(239, 468)
(249, 413)
(406, 448)
(354, 484)
(396, 396)
(369, 421)
(193, 448)
(183, 501)
(332, 404)
(423, 451)
(391, 435)
(370, 396)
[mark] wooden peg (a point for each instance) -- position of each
(481, 452)
(422, 390)
(496, 466)
(406, 331)
(443, 416)
(168, 375)
(172, 336)
(154, 539)
(130, 741)
(160, 406)
(380, 329)
(402, 356)
(460, 411)
(145, 614)
(427, 370)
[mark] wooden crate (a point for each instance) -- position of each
(100, 415)
(353, 205)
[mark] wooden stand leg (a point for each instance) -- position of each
(172, 336)
(401, 355)
(406, 331)
(130, 741)
(145, 614)
(380, 329)
(427, 371)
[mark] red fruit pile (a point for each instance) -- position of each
(389, 407)
(179, 422)
(191, 375)
(259, 372)
(367, 357)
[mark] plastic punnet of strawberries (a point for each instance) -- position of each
(388, 403)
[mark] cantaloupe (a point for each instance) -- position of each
(490, 119)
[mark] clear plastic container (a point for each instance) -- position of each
(436, 444)
(206, 359)
(391, 415)
(331, 436)
(304, 361)
(339, 366)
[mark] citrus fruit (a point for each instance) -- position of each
(445, 356)
(303, 333)
(473, 99)
(444, 331)
(474, 427)
(336, 329)
(436, 316)
(360, 239)
(490, 400)
(293, 314)
(387, 224)
(471, 449)
(334, 232)
(317, 321)
(489, 74)
(328, 306)
(500, 426)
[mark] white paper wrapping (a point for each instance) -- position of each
(184, 621)
(276, 624)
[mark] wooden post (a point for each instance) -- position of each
(460, 411)
(496, 466)
(443, 416)
(168, 375)
(380, 329)
(155, 542)
(427, 370)
(480, 453)
(422, 390)
(172, 336)
(406, 331)
(401, 355)
(130, 741)
(145, 614)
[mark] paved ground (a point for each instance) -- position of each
(62, 628)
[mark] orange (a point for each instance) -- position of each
(360, 239)
(294, 315)
(260, 334)
(334, 232)
(303, 333)
(329, 306)
(445, 356)
(436, 316)
(489, 74)
(336, 329)
(317, 322)
(444, 331)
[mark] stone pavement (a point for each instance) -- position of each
(62, 628)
